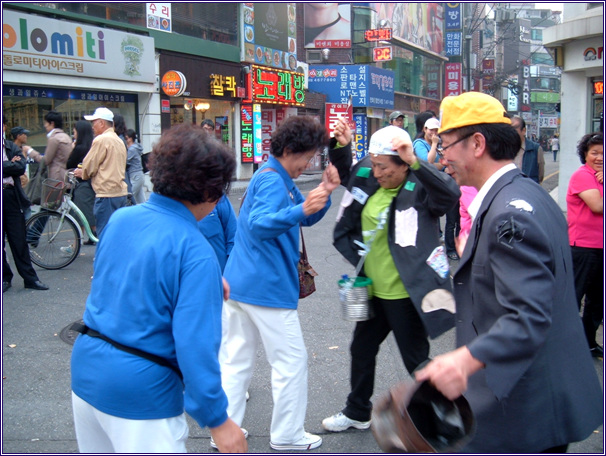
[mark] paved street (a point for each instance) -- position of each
(36, 402)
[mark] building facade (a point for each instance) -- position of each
(578, 46)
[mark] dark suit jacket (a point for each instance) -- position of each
(517, 313)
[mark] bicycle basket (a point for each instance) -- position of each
(52, 194)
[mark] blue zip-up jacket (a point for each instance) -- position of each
(157, 287)
(262, 267)
(219, 228)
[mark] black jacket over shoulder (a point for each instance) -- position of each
(15, 170)
(426, 195)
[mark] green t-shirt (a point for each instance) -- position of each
(379, 265)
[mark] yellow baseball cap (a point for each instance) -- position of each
(471, 108)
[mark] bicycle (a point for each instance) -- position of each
(53, 234)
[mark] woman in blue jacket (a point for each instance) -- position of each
(219, 228)
(157, 287)
(262, 274)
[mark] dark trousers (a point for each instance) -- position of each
(452, 229)
(399, 316)
(588, 282)
(13, 230)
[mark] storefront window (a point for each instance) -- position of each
(415, 74)
(27, 106)
(196, 110)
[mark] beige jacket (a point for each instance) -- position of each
(58, 149)
(105, 165)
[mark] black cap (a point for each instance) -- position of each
(19, 131)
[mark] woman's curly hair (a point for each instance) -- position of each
(189, 164)
(298, 134)
(586, 142)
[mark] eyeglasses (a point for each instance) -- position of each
(440, 149)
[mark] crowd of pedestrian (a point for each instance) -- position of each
(188, 265)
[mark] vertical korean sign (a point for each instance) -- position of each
(334, 111)
(452, 79)
(257, 134)
(159, 16)
(361, 136)
(246, 135)
(269, 118)
(453, 26)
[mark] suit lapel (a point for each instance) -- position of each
(472, 241)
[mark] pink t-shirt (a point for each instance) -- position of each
(467, 196)
(585, 229)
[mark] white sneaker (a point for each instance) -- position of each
(340, 422)
(214, 445)
(247, 396)
(307, 442)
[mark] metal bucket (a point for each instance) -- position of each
(354, 297)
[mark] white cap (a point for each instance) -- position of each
(432, 123)
(101, 113)
(381, 141)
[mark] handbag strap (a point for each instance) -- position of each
(264, 170)
(303, 242)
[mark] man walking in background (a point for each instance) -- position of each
(105, 165)
(530, 158)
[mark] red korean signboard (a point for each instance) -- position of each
(275, 86)
(246, 133)
(452, 79)
(385, 34)
(334, 111)
(382, 54)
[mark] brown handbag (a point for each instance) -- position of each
(306, 273)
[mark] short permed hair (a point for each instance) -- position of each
(298, 134)
(189, 164)
(586, 142)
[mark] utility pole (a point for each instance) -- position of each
(468, 58)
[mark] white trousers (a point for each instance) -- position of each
(98, 432)
(279, 330)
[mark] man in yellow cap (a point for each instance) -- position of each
(523, 361)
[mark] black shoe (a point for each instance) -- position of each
(89, 242)
(597, 352)
(453, 256)
(37, 285)
(5, 286)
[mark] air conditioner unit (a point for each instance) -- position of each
(303, 67)
(314, 56)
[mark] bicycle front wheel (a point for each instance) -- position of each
(54, 241)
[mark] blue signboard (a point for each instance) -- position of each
(67, 94)
(360, 139)
(452, 43)
(367, 86)
(452, 16)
